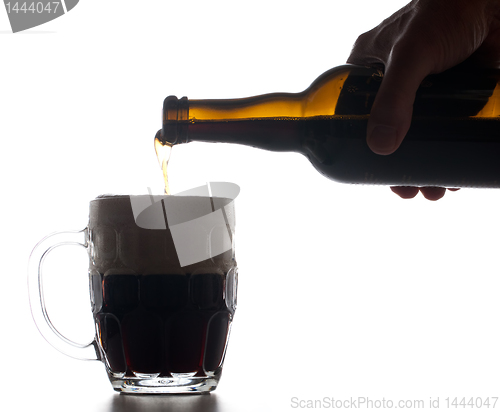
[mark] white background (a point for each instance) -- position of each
(345, 291)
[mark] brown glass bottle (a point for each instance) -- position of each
(453, 141)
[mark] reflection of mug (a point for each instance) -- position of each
(161, 326)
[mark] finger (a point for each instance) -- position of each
(433, 193)
(430, 193)
(405, 192)
(368, 52)
(391, 113)
(374, 47)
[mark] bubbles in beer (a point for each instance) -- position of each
(163, 151)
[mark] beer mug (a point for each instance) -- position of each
(163, 280)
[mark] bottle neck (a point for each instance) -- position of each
(268, 122)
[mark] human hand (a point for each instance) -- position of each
(424, 37)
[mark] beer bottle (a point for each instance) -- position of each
(453, 141)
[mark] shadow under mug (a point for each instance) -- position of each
(162, 325)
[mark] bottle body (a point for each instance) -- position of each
(453, 141)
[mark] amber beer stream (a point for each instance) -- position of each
(163, 150)
(453, 141)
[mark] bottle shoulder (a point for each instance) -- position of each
(338, 75)
(328, 94)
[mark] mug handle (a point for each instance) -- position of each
(37, 301)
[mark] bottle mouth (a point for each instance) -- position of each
(175, 120)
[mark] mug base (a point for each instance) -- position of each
(180, 383)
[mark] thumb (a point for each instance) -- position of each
(391, 113)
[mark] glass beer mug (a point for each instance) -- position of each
(163, 280)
